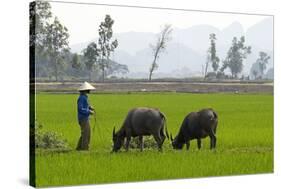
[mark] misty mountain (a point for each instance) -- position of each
(188, 47)
(261, 35)
(176, 56)
(195, 37)
(129, 42)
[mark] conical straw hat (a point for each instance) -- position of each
(86, 86)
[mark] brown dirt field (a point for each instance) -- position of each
(187, 87)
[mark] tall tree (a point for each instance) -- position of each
(213, 52)
(255, 73)
(235, 56)
(106, 44)
(262, 62)
(91, 54)
(56, 43)
(76, 62)
(39, 15)
(160, 46)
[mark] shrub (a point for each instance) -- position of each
(211, 75)
(49, 139)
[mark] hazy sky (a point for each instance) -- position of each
(83, 20)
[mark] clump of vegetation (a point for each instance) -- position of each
(49, 139)
(148, 142)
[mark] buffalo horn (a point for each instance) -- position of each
(113, 132)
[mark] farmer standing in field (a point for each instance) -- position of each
(84, 110)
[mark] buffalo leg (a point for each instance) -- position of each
(159, 141)
(199, 143)
(187, 144)
(162, 136)
(141, 142)
(128, 143)
(213, 140)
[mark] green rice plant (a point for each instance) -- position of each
(244, 138)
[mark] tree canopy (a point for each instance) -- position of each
(106, 45)
(235, 56)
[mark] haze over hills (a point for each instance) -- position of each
(261, 35)
(186, 52)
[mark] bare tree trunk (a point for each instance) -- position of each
(262, 70)
(90, 75)
(56, 69)
(160, 45)
(153, 65)
(102, 69)
(206, 67)
(150, 75)
(151, 71)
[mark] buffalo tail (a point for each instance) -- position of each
(165, 124)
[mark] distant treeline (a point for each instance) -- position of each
(55, 62)
(53, 59)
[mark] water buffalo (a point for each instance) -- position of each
(138, 123)
(197, 125)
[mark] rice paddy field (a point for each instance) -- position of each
(244, 139)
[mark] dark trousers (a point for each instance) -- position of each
(84, 140)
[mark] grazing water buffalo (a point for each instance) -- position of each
(197, 125)
(140, 122)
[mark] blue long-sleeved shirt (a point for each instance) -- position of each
(83, 107)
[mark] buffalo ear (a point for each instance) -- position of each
(113, 132)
